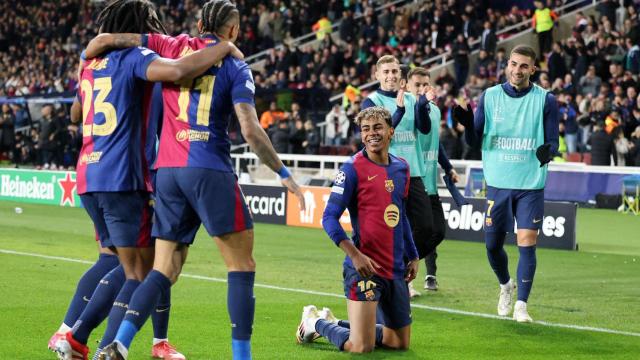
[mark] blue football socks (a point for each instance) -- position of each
(100, 304)
(497, 256)
(120, 307)
(87, 285)
(142, 303)
(241, 307)
(337, 335)
(526, 271)
(160, 317)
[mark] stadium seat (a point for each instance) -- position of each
(574, 157)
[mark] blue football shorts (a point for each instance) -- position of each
(505, 205)
(392, 295)
(121, 219)
(187, 197)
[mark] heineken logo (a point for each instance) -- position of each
(55, 188)
(15, 186)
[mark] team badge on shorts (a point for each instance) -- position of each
(388, 184)
(369, 295)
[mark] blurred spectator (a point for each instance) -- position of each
(460, 52)
(590, 82)
(280, 137)
(602, 146)
(272, 116)
(568, 119)
(297, 136)
(311, 143)
(337, 126)
(7, 137)
(623, 147)
(556, 63)
(635, 150)
(542, 23)
(488, 39)
(49, 139)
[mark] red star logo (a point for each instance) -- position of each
(68, 186)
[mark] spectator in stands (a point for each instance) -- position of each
(623, 147)
(460, 53)
(272, 117)
(279, 135)
(337, 126)
(568, 120)
(311, 144)
(590, 82)
(612, 122)
(602, 146)
(634, 155)
(23, 150)
(297, 135)
(542, 23)
(556, 63)
(488, 39)
(21, 116)
(48, 139)
(7, 137)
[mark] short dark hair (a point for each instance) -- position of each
(377, 112)
(130, 16)
(216, 14)
(525, 50)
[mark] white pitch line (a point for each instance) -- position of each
(311, 292)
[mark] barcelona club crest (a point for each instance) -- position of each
(388, 184)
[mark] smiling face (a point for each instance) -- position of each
(388, 74)
(376, 132)
(519, 70)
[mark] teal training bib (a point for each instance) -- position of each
(430, 144)
(513, 130)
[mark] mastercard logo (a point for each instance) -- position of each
(392, 215)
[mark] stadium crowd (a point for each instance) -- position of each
(594, 73)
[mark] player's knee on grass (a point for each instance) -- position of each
(396, 339)
(358, 347)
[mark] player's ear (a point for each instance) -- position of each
(200, 30)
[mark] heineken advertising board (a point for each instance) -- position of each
(41, 187)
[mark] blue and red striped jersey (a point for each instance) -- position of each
(197, 113)
(375, 196)
(115, 111)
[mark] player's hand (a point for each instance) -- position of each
(412, 270)
(543, 153)
(400, 98)
(454, 176)
(463, 114)
(430, 93)
(235, 52)
(293, 187)
(365, 266)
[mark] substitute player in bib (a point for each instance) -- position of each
(112, 173)
(195, 181)
(517, 125)
(418, 82)
(410, 118)
(374, 186)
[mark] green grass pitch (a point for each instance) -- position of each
(596, 287)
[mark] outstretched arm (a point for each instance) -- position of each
(261, 146)
(106, 41)
(188, 67)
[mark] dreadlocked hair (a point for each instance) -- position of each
(130, 16)
(216, 14)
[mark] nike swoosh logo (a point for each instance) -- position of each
(86, 299)
(526, 281)
(162, 310)
(536, 221)
(372, 177)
